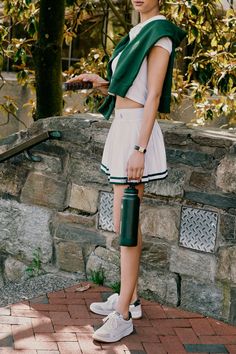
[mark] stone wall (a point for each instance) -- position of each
(63, 205)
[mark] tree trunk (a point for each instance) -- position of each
(47, 59)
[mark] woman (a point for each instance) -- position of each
(139, 80)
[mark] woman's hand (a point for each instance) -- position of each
(97, 81)
(135, 166)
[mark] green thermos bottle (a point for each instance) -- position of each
(129, 217)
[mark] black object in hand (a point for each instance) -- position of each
(77, 85)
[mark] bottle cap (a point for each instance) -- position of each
(131, 189)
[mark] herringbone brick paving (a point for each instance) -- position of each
(60, 322)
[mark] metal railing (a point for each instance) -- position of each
(27, 144)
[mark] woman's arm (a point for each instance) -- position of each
(98, 82)
(157, 60)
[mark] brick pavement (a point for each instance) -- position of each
(60, 322)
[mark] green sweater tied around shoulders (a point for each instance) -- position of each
(130, 61)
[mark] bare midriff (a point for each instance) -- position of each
(124, 102)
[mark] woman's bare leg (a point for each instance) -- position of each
(135, 292)
(130, 256)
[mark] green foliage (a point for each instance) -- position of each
(9, 106)
(116, 287)
(8, 109)
(24, 12)
(96, 62)
(208, 58)
(97, 276)
(210, 79)
(35, 267)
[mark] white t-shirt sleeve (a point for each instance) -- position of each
(166, 43)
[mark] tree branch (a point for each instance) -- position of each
(9, 113)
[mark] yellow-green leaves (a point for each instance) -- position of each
(211, 71)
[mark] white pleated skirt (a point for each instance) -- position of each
(122, 137)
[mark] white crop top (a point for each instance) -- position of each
(138, 91)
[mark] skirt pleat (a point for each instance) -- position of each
(122, 137)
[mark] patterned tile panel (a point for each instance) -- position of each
(105, 219)
(198, 229)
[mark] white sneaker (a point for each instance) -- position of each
(105, 308)
(114, 328)
(136, 310)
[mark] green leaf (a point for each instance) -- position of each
(209, 114)
(214, 42)
(32, 26)
(194, 10)
(194, 31)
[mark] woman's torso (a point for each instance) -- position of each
(139, 83)
(124, 102)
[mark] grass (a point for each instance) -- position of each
(116, 287)
(98, 276)
(35, 267)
